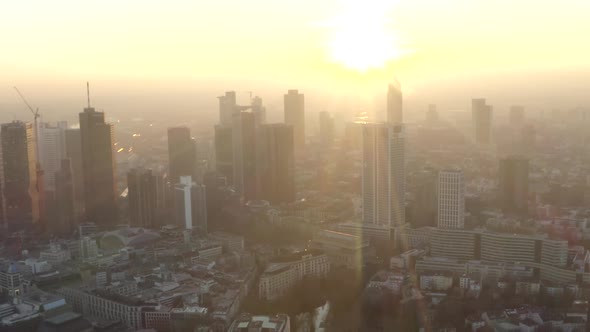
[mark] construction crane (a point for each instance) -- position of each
(36, 114)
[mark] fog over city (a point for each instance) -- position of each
(278, 166)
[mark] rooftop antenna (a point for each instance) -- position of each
(88, 92)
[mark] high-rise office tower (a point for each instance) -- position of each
(52, 149)
(326, 129)
(182, 153)
(425, 205)
(394, 105)
(244, 154)
(142, 197)
(74, 153)
(224, 152)
(517, 115)
(65, 216)
(482, 121)
(227, 106)
(295, 116)
(514, 185)
(190, 203)
(451, 199)
(259, 110)
(276, 163)
(3, 224)
(98, 167)
(19, 161)
(383, 174)
(432, 114)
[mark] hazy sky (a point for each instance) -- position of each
(45, 44)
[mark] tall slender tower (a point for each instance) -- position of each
(98, 167)
(142, 197)
(394, 105)
(182, 153)
(451, 199)
(64, 198)
(191, 205)
(244, 154)
(295, 116)
(74, 153)
(482, 121)
(227, 106)
(383, 182)
(514, 185)
(19, 163)
(52, 149)
(276, 163)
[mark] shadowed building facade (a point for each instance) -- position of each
(98, 167)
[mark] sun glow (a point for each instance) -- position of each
(363, 38)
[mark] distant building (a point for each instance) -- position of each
(514, 185)
(482, 121)
(276, 163)
(74, 153)
(227, 106)
(259, 111)
(98, 163)
(11, 281)
(326, 129)
(260, 323)
(294, 103)
(517, 115)
(65, 215)
(342, 249)
(52, 149)
(191, 205)
(142, 197)
(394, 105)
(424, 208)
(451, 199)
(224, 162)
(182, 153)
(431, 114)
(19, 164)
(383, 175)
(244, 154)
(280, 276)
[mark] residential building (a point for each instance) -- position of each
(451, 199)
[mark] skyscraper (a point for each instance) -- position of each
(383, 175)
(431, 114)
(98, 167)
(65, 216)
(295, 116)
(451, 199)
(227, 106)
(514, 185)
(425, 205)
(52, 149)
(190, 203)
(326, 129)
(142, 197)
(276, 163)
(181, 153)
(74, 153)
(394, 105)
(259, 110)
(224, 153)
(517, 115)
(19, 161)
(244, 154)
(482, 121)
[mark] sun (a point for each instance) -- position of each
(362, 37)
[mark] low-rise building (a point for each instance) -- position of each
(281, 275)
(247, 322)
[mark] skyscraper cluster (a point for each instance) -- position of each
(258, 159)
